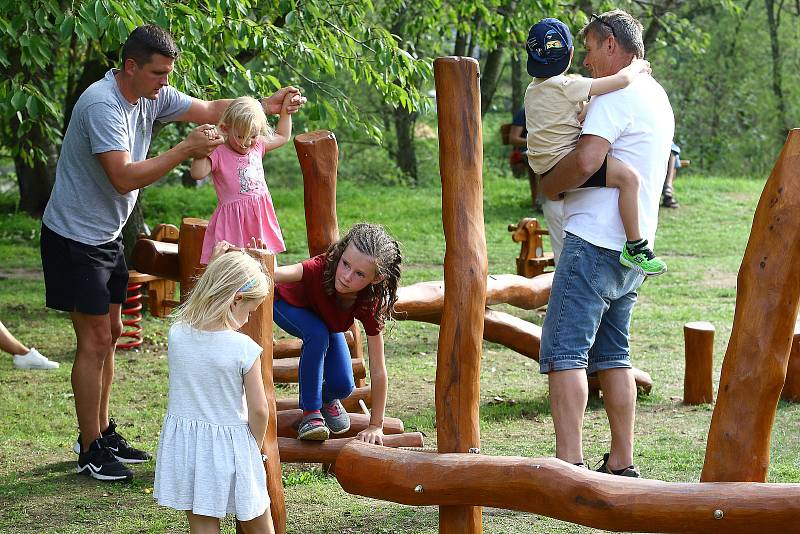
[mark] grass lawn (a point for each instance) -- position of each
(703, 243)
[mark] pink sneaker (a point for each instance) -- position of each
(336, 417)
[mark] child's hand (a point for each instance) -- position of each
(256, 243)
(219, 249)
(274, 104)
(371, 434)
(640, 65)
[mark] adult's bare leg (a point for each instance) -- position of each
(569, 393)
(95, 343)
(619, 400)
(115, 319)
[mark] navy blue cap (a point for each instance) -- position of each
(549, 45)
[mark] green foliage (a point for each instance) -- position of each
(229, 47)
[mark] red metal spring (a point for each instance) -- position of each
(132, 309)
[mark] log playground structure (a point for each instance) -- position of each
(732, 495)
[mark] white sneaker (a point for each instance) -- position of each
(33, 360)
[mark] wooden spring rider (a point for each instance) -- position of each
(532, 260)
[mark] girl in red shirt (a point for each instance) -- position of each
(317, 301)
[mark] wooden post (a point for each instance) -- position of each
(318, 154)
(259, 328)
(767, 296)
(465, 266)
(698, 340)
(791, 388)
(190, 248)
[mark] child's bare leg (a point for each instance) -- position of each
(626, 179)
(260, 525)
(202, 524)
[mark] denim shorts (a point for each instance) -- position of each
(589, 312)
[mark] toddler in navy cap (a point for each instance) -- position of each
(554, 111)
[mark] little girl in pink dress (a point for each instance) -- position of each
(245, 211)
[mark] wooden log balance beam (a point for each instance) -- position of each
(425, 298)
(550, 487)
(288, 421)
(325, 452)
(458, 360)
(350, 403)
(767, 298)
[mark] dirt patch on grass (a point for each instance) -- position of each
(21, 274)
(715, 278)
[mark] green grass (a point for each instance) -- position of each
(703, 243)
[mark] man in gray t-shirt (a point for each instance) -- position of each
(102, 165)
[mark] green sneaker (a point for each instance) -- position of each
(642, 259)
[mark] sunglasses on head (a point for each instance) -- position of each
(604, 23)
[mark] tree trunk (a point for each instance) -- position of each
(133, 227)
(773, 23)
(517, 85)
(406, 155)
(460, 47)
(36, 181)
(491, 75)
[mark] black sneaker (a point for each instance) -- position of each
(118, 446)
(629, 471)
(99, 463)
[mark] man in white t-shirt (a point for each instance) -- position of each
(588, 316)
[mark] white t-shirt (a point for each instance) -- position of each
(639, 124)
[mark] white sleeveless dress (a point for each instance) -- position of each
(208, 460)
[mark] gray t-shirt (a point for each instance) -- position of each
(84, 206)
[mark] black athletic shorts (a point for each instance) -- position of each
(80, 277)
(598, 179)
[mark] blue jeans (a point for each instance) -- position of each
(589, 312)
(326, 372)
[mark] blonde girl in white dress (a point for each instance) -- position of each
(209, 459)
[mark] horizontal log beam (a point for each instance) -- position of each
(425, 298)
(350, 403)
(285, 370)
(156, 258)
(288, 421)
(325, 452)
(550, 487)
(290, 347)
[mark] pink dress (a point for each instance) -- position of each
(245, 206)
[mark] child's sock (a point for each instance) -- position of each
(633, 245)
(309, 412)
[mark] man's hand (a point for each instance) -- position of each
(202, 141)
(273, 104)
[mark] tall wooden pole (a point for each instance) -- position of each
(767, 296)
(259, 328)
(318, 154)
(465, 268)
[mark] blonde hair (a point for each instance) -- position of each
(209, 303)
(245, 117)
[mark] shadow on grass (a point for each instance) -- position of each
(508, 409)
